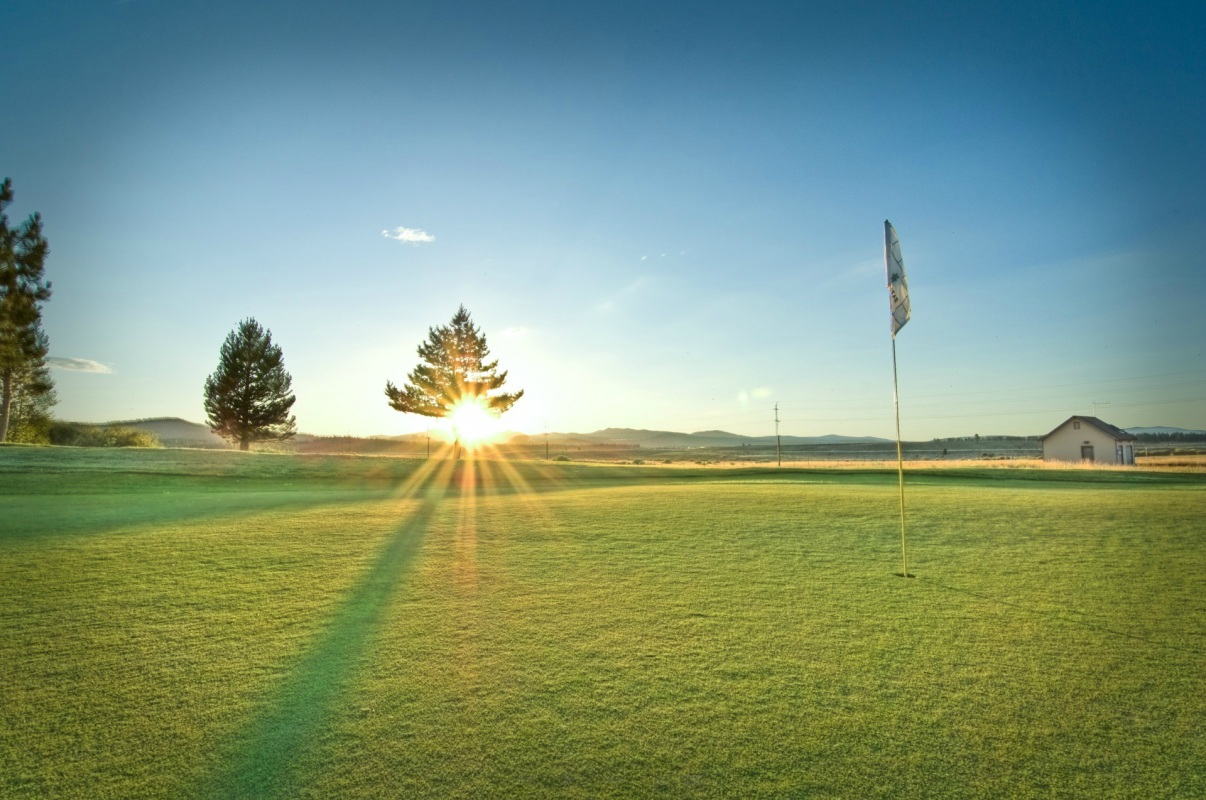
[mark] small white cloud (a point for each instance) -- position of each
(761, 393)
(644, 257)
(79, 365)
(409, 235)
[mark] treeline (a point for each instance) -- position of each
(78, 434)
(1185, 436)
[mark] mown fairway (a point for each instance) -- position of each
(193, 624)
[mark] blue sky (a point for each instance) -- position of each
(663, 216)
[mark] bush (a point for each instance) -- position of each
(561, 458)
(76, 434)
(130, 437)
(32, 429)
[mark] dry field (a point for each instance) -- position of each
(1180, 463)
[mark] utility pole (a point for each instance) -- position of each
(429, 443)
(778, 441)
(546, 442)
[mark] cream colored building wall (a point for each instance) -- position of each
(1065, 444)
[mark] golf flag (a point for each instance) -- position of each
(898, 285)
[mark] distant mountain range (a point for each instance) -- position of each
(176, 432)
(671, 439)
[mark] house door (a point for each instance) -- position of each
(1086, 452)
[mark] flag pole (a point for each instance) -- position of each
(904, 551)
(898, 300)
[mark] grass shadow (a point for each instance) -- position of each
(261, 759)
(35, 517)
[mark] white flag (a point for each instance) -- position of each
(898, 285)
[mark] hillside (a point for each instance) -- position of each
(176, 432)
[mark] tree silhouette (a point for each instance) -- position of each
(454, 371)
(23, 289)
(249, 396)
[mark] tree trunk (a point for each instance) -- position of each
(244, 443)
(6, 404)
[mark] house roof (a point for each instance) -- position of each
(1105, 427)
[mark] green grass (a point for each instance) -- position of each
(196, 624)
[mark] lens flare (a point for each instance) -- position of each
(473, 422)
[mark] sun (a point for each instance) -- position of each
(473, 422)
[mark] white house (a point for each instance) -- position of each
(1089, 439)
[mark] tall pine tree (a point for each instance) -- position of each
(249, 396)
(23, 289)
(454, 370)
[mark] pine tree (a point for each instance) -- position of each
(454, 370)
(23, 288)
(249, 396)
(29, 413)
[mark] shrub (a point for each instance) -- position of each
(130, 437)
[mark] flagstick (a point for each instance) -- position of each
(904, 553)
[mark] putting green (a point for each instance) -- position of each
(211, 625)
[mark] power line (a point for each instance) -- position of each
(1013, 400)
(733, 420)
(1071, 385)
(997, 399)
(795, 420)
(1000, 413)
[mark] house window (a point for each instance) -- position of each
(1086, 452)
(1075, 426)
